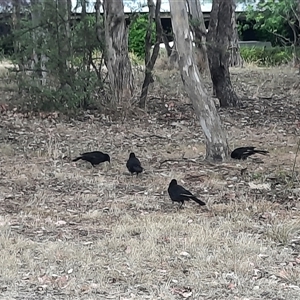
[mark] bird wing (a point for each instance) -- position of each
(188, 195)
(264, 152)
(135, 163)
(92, 154)
(245, 150)
(183, 192)
(86, 154)
(248, 151)
(128, 164)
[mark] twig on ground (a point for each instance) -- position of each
(192, 160)
(294, 164)
(149, 136)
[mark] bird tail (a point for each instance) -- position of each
(198, 201)
(77, 158)
(263, 152)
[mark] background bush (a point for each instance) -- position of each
(71, 77)
(267, 56)
(137, 33)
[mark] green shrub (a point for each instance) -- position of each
(71, 82)
(137, 33)
(266, 56)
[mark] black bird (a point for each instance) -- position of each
(134, 165)
(244, 152)
(94, 157)
(180, 194)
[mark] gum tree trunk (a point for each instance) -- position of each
(216, 141)
(199, 32)
(116, 41)
(218, 37)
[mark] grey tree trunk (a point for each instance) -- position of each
(235, 59)
(35, 16)
(63, 42)
(167, 45)
(16, 17)
(37, 65)
(216, 141)
(100, 32)
(218, 37)
(296, 57)
(99, 24)
(173, 58)
(199, 32)
(87, 55)
(116, 41)
(154, 12)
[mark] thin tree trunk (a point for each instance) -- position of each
(86, 55)
(167, 45)
(216, 141)
(43, 58)
(199, 32)
(219, 34)
(296, 37)
(63, 42)
(16, 16)
(235, 59)
(116, 41)
(99, 24)
(38, 60)
(151, 59)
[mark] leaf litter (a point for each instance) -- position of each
(97, 232)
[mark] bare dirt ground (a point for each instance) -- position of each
(68, 231)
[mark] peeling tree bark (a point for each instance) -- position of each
(173, 58)
(116, 41)
(199, 33)
(216, 141)
(218, 37)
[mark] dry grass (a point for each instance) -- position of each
(72, 232)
